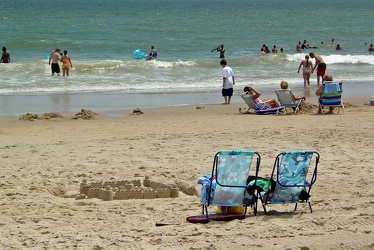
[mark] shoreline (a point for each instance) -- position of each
(112, 102)
(233, 109)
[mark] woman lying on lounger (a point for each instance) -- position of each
(269, 102)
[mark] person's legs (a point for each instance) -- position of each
(228, 99)
(230, 92)
(224, 94)
(305, 78)
(225, 98)
(320, 72)
(272, 101)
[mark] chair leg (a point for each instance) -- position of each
(255, 207)
(263, 206)
(205, 210)
(295, 206)
(310, 206)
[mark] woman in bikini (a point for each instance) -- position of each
(307, 70)
(266, 103)
(66, 63)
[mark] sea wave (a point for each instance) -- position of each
(337, 59)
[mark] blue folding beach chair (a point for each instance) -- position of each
(293, 174)
(226, 186)
(331, 96)
(287, 99)
(263, 109)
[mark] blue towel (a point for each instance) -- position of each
(331, 88)
(205, 181)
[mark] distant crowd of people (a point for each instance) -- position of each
(265, 49)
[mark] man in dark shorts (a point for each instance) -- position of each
(55, 58)
(228, 81)
(320, 63)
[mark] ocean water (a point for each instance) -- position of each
(101, 36)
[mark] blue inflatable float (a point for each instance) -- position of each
(138, 54)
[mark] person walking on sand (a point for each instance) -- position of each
(5, 57)
(55, 58)
(307, 70)
(320, 63)
(66, 63)
(228, 81)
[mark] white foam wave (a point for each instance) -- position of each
(337, 59)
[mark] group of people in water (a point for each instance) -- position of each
(308, 68)
(55, 57)
(265, 49)
(152, 54)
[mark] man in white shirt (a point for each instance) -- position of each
(228, 81)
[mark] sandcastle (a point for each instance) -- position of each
(127, 189)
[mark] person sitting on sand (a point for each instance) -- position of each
(325, 78)
(269, 102)
(284, 85)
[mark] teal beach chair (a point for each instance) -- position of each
(287, 99)
(331, 96)
(227, 184)
(261, 108)
(294, 174)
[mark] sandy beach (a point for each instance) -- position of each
(45, 159)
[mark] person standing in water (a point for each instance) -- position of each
(320, 65)
(55, 58)
(66, 63)
(307, 70)
(221, 51)
(5, 57)
(153, 52)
